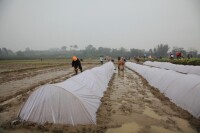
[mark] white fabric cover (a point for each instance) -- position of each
(182, 89)
(189, 69)
(73, 101)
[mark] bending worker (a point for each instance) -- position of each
(76, 64)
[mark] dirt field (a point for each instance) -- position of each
(129, 105)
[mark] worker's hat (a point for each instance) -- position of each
(74, 58)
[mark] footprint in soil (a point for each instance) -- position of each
(126, 108)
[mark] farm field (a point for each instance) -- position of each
(129, 105)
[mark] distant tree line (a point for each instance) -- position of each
(161, 50)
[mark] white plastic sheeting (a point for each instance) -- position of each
(189, 69)
(182, 89)
(73, 101)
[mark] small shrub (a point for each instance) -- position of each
(194, 61)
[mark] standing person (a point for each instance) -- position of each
(76, 64)
(171, 56)
(121, 63)
(118, 61)
(101, 59)
(178, 55)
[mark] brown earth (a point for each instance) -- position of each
(129, 105)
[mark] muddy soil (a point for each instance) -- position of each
(139, 108)
(28, 72)
(129, 105)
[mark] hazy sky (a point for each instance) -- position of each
(141, 24)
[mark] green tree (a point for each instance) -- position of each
(64, 48)
(161, 50)
(90, 51)
(122, 52)
(193, 52)
(20, 54)
(137, 52)
(1, 54)
(4, 52)
(104, 51)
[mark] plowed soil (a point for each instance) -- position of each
(130, 104)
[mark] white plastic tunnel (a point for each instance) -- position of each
(188, 69)
(182, 89)
(73, 101)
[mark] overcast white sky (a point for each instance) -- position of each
(141, 24)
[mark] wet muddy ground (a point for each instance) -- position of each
(138, 108)
(129, 105)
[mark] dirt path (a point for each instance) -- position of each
(129, 105)
(129, 102)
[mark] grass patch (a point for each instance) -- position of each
(192, 61)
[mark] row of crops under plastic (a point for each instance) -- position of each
(73, 101)
(182, 89)
(188, 69)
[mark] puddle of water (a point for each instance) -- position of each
(151, 113)
(184, 125)
(125, 128)
(155, 129)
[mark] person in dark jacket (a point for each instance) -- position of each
(76, 64)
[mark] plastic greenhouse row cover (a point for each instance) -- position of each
(73, 101)
(182, 89)
(189, 69)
